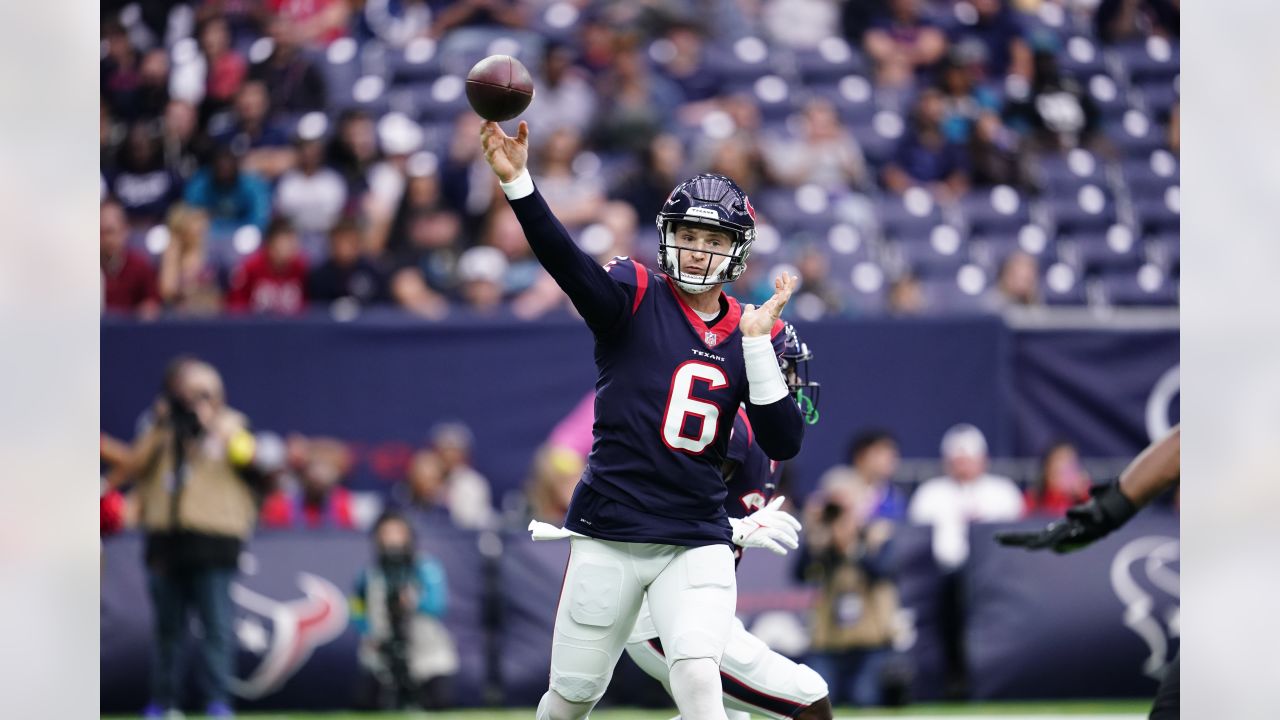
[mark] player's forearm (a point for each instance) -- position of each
(1155, 470)
(596, 296)
(779, 428)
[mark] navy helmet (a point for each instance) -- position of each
(714, 202)
(795, 368)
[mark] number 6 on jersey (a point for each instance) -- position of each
(681, 404)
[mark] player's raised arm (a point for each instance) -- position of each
(777, 420)
(601, 301)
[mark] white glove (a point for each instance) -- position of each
(768, 528)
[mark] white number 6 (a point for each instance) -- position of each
(681, 404)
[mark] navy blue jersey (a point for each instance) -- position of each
(750, 477)
(668, 389)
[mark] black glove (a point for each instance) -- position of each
(1107, 510)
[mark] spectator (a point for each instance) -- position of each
(119, 72)
(556, 471)
(575, 198)
(659, 169)
(226, 68)
(128, 282)
(686, 64)
(110, 135)
(249, 128)
(188, 281)
(232, 198)
(800, 24)
(346, 274)
(314, 22)
(1175, 128)
(1057, 114)
(395, 22)
(817, 295)
(924, 157)
(424, 243)
(873, 461)
(273, 280)
(906, 296)
(142, 183)
(966, 493)
(407, 656)
(354, 150)
(293, 82)
(1120, 20)
(1063, 482)
(400, 138)
(318, 499)
(198, 473)
(903, 44)
(964, 98)
(181, 141)
(475, 13)
(635, 103)
(565, 98)
(825, 153)
(469, 503)
(999, 30)
(1019, 281)
(481, 273)
(850, 560)
(504, 233)
(312, 196)
(424, 491)
(739, 157)
(993, 154)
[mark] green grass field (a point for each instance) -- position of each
(1111, 709)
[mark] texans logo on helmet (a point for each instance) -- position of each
(750, 208)
(284, 634)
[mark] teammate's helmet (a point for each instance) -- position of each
(795, 367)
(716, 202)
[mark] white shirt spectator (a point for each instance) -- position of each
(949, 505)
(313, 203)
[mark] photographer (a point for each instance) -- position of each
(199, 475)
(407, 655)
(847, 555)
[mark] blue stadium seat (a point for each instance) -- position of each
(1159, 97)
(1147, 286)
(743, 61)
(435, 102)
(846, 246)
(852, 96)
(1062, 285)
(866, 288)
(1117, 250)
(774, 98)
(942, 255)
(1160, 213)
(1151, 176)
(1150, 60)
(909, 217)
(1091, 209)
(1065, 173)
(995, 210)
(1081, 57)
(1135, 134)
(417, 62)
(831, 60)
(1165, 250)
(1107, 96)
(944, 296)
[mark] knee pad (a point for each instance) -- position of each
(579, 687)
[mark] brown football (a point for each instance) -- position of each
(499, 88)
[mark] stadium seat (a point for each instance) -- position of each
(1061, 285)
(910, 216)
(1080, 57)
(866, 287)
(995, 210)
(746, 60)
(1064, 174)
(1135, 135)
(1147, 286)
(941, 255)
(1150, 176)
(1151, 60)
(1107, 96)
(1165, 250)
(1160, 213)
(852, 96)
(1116, 250)
(1159, 97)
(832, 59)
(417, 62)
(960, 291)
(1091, 209)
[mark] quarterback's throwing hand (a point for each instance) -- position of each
(769, 528)
(506, 155)
(760, 320)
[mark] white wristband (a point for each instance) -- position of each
(522, 186)
(764, 378)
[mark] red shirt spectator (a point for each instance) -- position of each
(128, 280)
(287, 510)
(313, 21)
(1063, 482)
(274, 279)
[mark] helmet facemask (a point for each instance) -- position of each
(722, 266)
(795, 369)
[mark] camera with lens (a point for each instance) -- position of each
(397, 566)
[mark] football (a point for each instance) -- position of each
(499, 88)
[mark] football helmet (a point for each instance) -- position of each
(795, 368)
(712, 201)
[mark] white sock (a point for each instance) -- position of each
(695, 685)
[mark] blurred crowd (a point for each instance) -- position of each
(905, 156)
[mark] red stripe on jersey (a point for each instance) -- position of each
(720, 330)
(642, 284)
(751, 436)
(777, 328)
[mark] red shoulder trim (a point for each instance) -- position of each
(642, 284)
(777, 328)
(751, 434)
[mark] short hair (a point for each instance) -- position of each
(867, 438)
(393, 515)
(963, 439)
(279, 225)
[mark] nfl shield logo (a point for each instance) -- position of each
(711, 338)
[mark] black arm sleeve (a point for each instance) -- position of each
(779, 427)
(601, 301)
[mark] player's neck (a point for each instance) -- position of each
(707, 302)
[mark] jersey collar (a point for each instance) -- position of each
(712, 335)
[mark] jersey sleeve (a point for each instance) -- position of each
(596, 294)
(778, 338)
